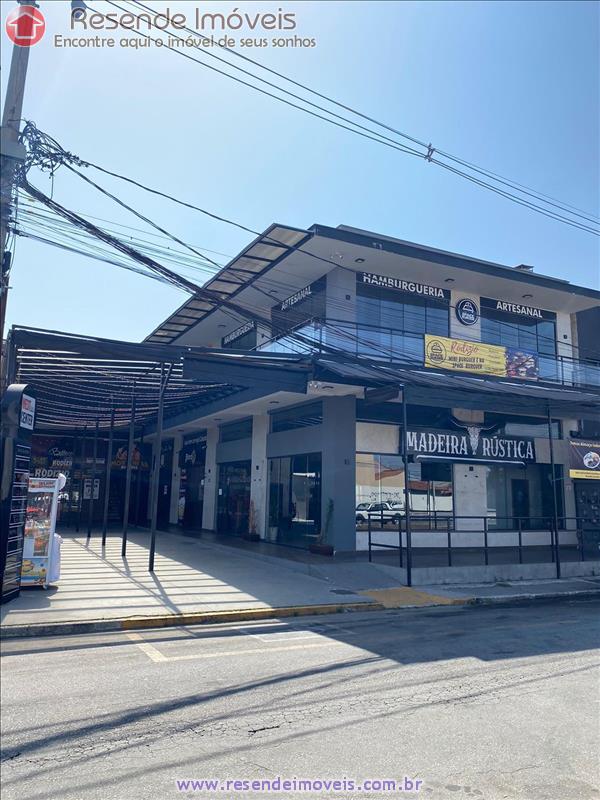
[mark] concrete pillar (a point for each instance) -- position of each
(341, 295)
(567, 369)
(457, 329)
(211, 480)
(339, 471)
(259, 485)
(175, 480)
(470, 495)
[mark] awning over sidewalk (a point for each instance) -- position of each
(464, 391)
(81, 380)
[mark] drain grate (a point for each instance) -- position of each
(342, 591)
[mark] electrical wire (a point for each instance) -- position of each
(380, 137)
(426, 146)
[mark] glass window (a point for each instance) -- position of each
(380, 492)
(522, 495)
(511, 330)
(303, 416)
(295, 499)
(403, 313)
(236, 430)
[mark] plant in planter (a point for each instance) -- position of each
(252, 535)
(321, 546)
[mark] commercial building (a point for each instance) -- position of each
(488, 354)
(330, 340)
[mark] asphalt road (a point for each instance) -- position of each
(483, 702)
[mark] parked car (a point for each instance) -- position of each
(379, 512)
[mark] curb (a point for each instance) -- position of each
(175, 620)
(527, 598)
(253, 614)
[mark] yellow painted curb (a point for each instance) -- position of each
(400, 596)
(242, 615)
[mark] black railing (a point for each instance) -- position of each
(586, 530)
(398, 345)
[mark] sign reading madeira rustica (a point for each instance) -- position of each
(473, 444)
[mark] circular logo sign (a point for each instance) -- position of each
(436, 352)
(25, 26)
(591, 460)
(467, 311)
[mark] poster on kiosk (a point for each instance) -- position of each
(41, 554)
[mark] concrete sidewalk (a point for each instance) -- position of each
(198, 581)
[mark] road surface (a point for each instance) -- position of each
(484, 702)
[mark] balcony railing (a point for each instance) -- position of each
(407, 348)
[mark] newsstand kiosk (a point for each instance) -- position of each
(18, 420)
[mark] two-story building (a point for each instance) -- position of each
(490, 360)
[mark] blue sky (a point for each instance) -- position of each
(513, 87)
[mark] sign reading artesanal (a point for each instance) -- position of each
(471, 445)
(584, 460)
(518, 309)
(484, 359)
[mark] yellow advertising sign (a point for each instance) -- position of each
(463, 356)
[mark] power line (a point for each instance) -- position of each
(382, 139)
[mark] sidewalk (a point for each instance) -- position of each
(202, 581)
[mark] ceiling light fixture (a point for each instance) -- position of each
(449, 280)
(359, 261)
(527, 296)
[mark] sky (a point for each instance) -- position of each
(511, 86)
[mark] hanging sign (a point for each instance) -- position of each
(584, 460)
(27, 418)
(480, 358)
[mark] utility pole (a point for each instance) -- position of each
(12, 152)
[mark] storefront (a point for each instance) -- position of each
(192, 459)
(233, 499)
(295, 499)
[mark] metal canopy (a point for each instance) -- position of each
(268, 248)
(80, 380)
(465, 391)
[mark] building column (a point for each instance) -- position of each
(175, 480)
(211, 480)
(470, 495)
(338, 472)
(259, 484)
(470, 482)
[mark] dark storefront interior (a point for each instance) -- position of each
(233, 500)
(295, 499)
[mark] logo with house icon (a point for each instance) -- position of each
(25, 26)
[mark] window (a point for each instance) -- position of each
(304, 416)
(295, 499)
(236, 430)
(393, 326)
(512, 331)
(522, 495)
(380, 491)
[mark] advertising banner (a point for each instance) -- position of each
(480, 358)
(584, 460)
